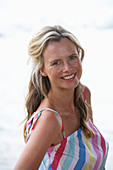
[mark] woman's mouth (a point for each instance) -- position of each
(69, 77)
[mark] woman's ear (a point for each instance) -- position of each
(43, 72)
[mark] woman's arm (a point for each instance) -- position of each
(89, 107)
(46, 130)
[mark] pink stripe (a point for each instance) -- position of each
(84, 95)
(50, 150)
(95, 141)
(59, 154)
(103, 145)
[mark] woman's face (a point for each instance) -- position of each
(62, 64)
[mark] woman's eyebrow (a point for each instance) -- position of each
(52, 61)
(74, 54)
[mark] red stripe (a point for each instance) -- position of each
(103, 145)
(59, 154)
(33, 125)
(62, 127)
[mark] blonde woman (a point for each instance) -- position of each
(59, 131)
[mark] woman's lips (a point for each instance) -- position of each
(68, 77)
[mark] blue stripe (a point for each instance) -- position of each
(50, 110)
(30, 126)
(43, 163)
(41, 166)
(50, 168)
(38, 115)
(46, 157)
(82, 152)
(71, 153)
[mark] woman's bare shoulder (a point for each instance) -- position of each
(48, 121)
(50, 116)
(88, 99)
(88, 94)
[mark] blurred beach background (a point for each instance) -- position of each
(92, 23)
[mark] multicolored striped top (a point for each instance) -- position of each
(75, 151)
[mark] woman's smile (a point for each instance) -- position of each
(69, 77)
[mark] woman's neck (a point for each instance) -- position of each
(61, 100)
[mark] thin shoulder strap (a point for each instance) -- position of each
(63, 130)
(50, 110)
(84, 95)
(32, 121)
(59, 115)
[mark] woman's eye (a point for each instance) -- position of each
(73, 57)
(56, 63)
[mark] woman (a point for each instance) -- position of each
(59, 131)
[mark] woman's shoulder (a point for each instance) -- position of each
(87, 90)
(87, 93)
(49, 115)
(47, 112)
(44, 117)
(45, 120)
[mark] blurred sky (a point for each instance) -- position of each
(26, 14)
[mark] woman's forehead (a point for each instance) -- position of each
(60, 46)
(59, 50)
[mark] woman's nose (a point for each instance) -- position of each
(67, 67)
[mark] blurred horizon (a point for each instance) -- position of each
(29, 15)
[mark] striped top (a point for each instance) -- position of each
(75, 151)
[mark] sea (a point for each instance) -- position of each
(15, 69)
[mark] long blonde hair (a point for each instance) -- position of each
(39, 86)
